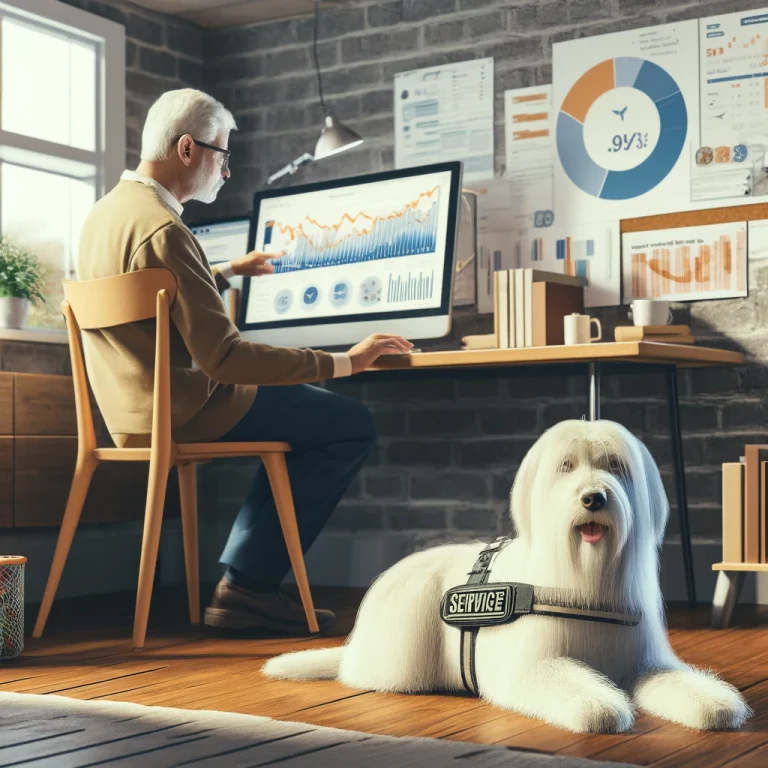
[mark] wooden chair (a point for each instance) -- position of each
(128, 298)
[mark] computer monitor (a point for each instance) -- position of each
(223, 240)
(362, 255)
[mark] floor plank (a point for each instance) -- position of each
(86, 654)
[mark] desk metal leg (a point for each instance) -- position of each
(594, 391)
(729, 584)
(682, 494)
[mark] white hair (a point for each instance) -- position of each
(183, 111)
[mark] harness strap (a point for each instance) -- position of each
(503, 602)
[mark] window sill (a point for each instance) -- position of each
(39, 336)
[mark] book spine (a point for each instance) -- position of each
(519, 308)
(503, 309)
(733, 510)
(528, 291)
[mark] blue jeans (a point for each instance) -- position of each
(331, 435)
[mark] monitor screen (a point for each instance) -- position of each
(363, 250)
(223, 240)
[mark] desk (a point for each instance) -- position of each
(595, 360)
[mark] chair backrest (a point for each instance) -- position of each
(106, 303)
(120, 299)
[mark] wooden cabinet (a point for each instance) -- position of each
(38, 449)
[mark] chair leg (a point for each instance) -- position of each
(188, 494)
(78, 491)
(153, 520)
(277, 471)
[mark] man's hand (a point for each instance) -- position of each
(254, 264)
(368, 350)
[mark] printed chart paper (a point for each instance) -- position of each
(730, 158)
(687, 263)
(446, 113)
(625, 105)
(530, 154)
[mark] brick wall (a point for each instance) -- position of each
(449, 447)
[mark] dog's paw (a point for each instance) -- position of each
(609, 712)
(694, 698)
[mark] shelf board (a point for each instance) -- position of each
(758, 567)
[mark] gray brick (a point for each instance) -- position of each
(508, 420)
(746, 415)
(377, 102)
(483, 389)
(544, 74)
(492, 452)
(378, 45)
(356, 517)
(522, 386)
(385, 484)
(334, 22)
(410, 390)
(185, 40)
(483, 519)
(250, 39)
(131, 54)
(157, 62)
(105, 10)
(643, 385)
(288, 61)
(144, 85)
(514, 50)
(409, 453)
(629, 415)
(390, 423)
(539, 15)
(355, 490)
(591, 10)
(234, 68)
(508, 79)
(713, 381)
(703, 521)
(141, 28)
(619, 25)
(416, 518)
(351, 78)
(458, 485)
(501, 485)
(449, 421)
(557, 412)
(391, 13)
(444, 32)
(249, 122)
(286, 118)
(485, 25)
(260, 95)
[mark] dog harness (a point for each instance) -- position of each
(479, 604)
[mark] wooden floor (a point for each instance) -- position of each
(86, 654)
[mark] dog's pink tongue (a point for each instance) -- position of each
(591, 532)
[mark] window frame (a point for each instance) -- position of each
(108, 156)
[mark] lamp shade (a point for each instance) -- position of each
(336, 137)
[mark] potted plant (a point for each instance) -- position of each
(21, 281)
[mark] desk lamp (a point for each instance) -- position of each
(335, 136)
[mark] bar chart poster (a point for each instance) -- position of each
(369, 247)
(687, 263)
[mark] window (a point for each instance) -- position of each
(62, 131)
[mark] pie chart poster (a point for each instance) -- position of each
(626, 108)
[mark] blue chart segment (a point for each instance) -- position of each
(411, 288)
(409, 231)
(622, 72)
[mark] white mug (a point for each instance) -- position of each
(577, 327)
(650, 312)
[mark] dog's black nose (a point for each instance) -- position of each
(594, 501)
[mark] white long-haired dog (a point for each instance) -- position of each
(575, 674)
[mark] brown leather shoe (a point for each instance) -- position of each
(233, 607)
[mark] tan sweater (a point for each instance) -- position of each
(214, 371)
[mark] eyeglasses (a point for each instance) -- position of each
(225, 152)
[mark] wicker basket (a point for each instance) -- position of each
(11, 606)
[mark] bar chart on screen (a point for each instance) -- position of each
(356, 236)
(686, 264)
(410, 287)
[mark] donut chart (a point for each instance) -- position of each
(653, 83)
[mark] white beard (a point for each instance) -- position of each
(579, 675)
(208, 190)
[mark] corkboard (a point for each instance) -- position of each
(751, 212)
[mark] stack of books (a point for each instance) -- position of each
(529, 306)
(669, 334)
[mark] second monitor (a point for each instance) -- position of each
(371, 254)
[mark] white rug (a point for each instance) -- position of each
(57, 732)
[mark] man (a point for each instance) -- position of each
(218, 380)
